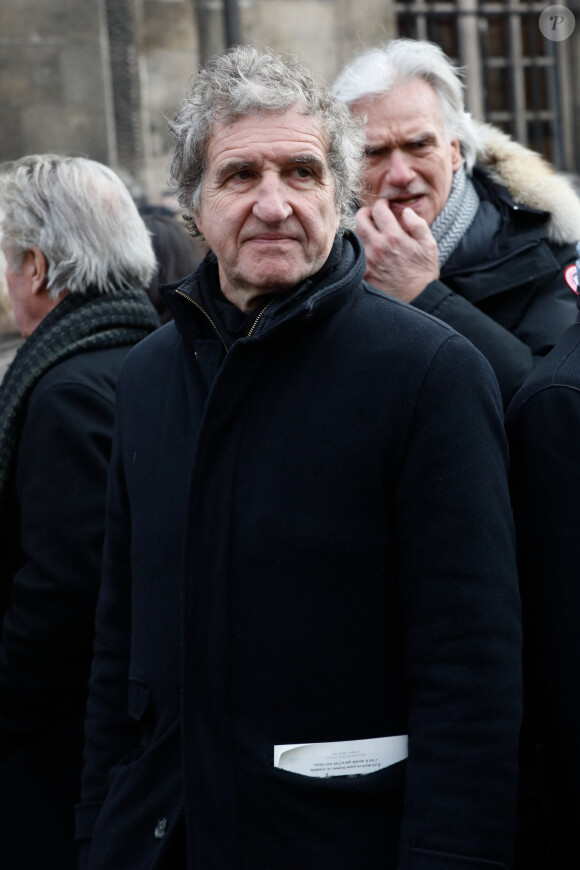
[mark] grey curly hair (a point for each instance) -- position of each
(376, 70)
(245, 81)
(81, 216)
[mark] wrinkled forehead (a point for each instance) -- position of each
(269, 132)
(410, 106)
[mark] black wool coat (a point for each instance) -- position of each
(504, 287)
(50, 568)
(543, 423)
(308, 540)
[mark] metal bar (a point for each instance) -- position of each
(484, 54)
(518, 92)
(506, 116)
(469, 50)
(535, 82)
(420, 10)
(557, 87)
(565, 77)
(527, 60)
(232, 23)
(498, 10)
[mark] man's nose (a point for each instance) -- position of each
(272, 206)
(399, 171)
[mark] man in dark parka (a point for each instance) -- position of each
(308, 635)
(456, 218)
(78, 256)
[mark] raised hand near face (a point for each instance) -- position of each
(401, 254)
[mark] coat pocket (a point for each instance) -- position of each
(343, 822)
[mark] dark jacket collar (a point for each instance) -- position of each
(501, 228)
(188, 298)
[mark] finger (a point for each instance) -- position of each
(366, 228)
(383, 218)
(416, 226)
(363, 218)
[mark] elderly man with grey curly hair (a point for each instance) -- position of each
(307, 644)
(456, 218)
(78, 257)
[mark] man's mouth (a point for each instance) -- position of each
(270, 237)
(405, 200)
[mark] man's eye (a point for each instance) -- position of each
(243, 174)
(303, 172)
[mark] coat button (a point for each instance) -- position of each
(160, 829)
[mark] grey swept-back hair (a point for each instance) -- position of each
(81, 216)
(245, 81)
(376, 70)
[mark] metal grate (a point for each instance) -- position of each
(511, 72)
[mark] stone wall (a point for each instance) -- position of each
(176, 37)
(97, 77)
(55, 91)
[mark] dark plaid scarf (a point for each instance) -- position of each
(80, 322)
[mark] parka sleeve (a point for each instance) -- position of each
(543, 309)
(458, 587)
(510, 357)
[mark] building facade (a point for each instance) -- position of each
(100, 78)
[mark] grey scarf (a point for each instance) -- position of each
(456, 216)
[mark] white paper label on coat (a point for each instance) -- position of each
(344, 758)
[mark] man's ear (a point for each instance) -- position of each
(456, 158)
(197, 219)
(36, 262)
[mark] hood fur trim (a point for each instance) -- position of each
(531, 181)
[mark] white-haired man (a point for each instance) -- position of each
(77, 259)
(456, 218)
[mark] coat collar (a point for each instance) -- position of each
(317, 295)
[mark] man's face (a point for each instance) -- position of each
(29, 307)
(20, 295)
(410, 161)
(268, 209)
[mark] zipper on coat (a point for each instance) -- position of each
(220, 336)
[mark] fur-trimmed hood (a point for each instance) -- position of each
(530, 180)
